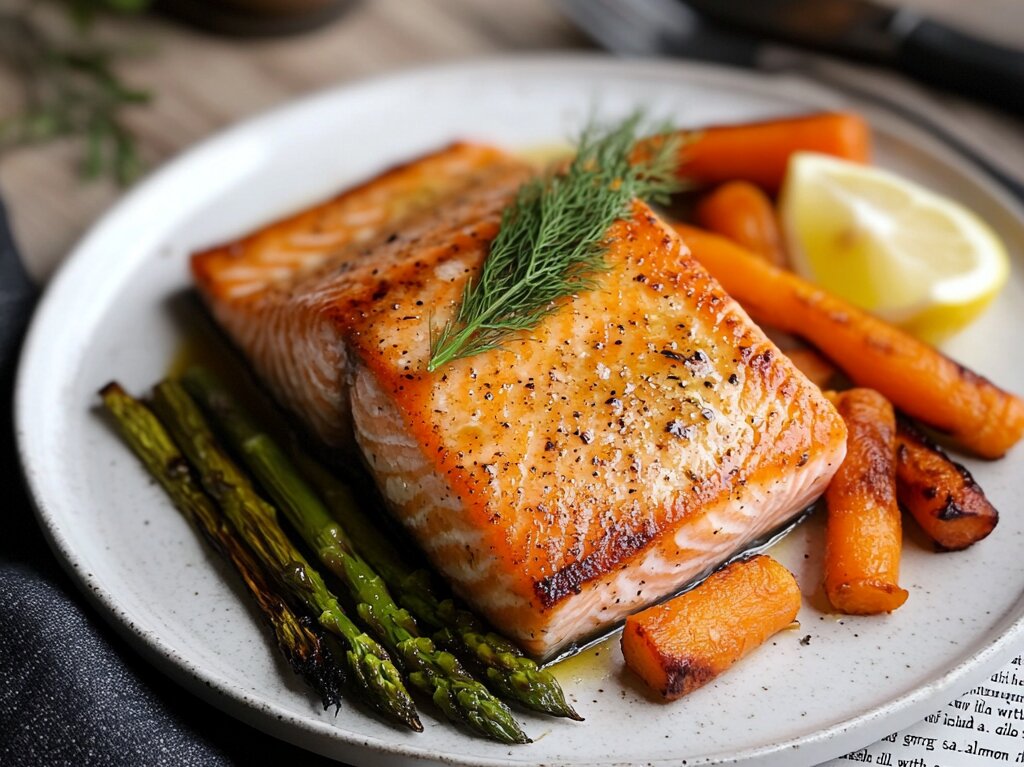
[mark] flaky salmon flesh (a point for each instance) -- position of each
(642, 434)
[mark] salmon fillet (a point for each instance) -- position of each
(261, 288)
(642, 434)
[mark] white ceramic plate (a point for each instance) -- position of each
(108, 314)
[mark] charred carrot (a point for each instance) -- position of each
(686, 642)
(939, 493)
(863, 537)
(743, 213)
(817, 369)
(917, 378)
(759, 152)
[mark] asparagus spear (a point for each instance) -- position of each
(375, 677)
(507, 670)
(305, 649)
(437, 672)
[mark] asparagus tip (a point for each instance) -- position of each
(406, 714)
(323, 671)
(111, 387)
(569, 712)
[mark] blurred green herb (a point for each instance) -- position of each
(85, 11)
(71, 87)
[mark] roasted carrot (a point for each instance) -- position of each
(818, 369)
(917, 378)
(743, 213)
(863, 536)
(759, 152)
(686, 642)
(939, 493)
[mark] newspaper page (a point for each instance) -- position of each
(983, 727)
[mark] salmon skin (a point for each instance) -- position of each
(643, 433)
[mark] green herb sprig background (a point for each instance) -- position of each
(71, 86)
(552, 238)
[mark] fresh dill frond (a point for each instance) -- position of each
(552, 239)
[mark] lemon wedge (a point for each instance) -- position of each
(889, 246)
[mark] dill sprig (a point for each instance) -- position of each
(553, 239)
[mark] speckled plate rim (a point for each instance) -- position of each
(322, 736)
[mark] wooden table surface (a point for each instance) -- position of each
(203, 82)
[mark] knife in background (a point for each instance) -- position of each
(927, 50)
(673, 28)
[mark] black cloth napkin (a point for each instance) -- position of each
(72, 692)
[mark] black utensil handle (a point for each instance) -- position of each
(949, 59)
(17, 295)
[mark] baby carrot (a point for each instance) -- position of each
(759, 152)
(939, 493)
(917, 378)
(686, 642)
(863, 537)
(743, 213)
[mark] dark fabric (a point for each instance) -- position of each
(71, 691)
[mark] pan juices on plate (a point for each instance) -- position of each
(642, 432)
